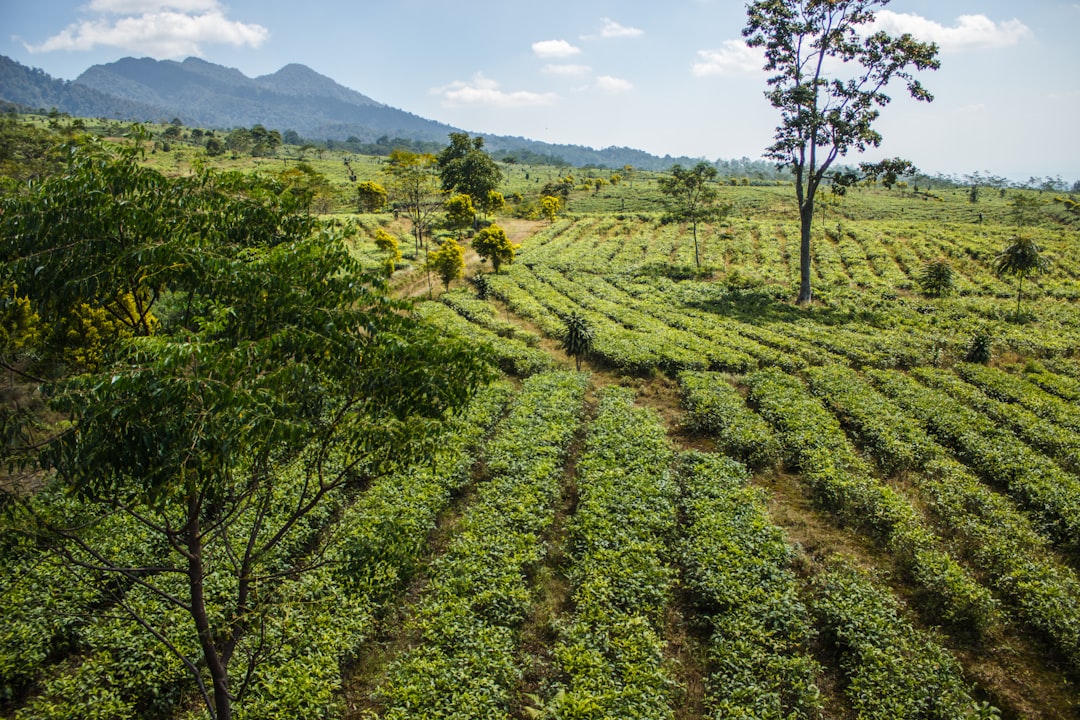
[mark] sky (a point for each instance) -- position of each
(671, 78)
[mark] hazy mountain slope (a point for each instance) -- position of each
(202, 94)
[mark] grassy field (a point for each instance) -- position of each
(740, 508)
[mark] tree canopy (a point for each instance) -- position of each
(691, 197)
(262, 374)
(465, 168)
(823, 117)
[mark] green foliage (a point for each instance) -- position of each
(980, 348)
(413, 186)
(692, 197)
(815, 443)
(936, 278)
(611, 649)
(550, 207)
(492, 243)
(465, 168)
(715, 407)
(893, 669)
(371, 196)
(460, 212)
(388, 244)
(448, 262)
(577, 338)
(737, 567)
(1021, 257)
(478, 594)
(276, 346)
(1049, 493)
(822, 118)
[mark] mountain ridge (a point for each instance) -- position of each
(204, 94)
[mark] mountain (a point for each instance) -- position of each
(202, 94)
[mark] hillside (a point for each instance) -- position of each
(866, 507)
(202, 94)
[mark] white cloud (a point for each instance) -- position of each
(554, 49)
(484, 91)
(566, 69)
(970, 31)
(159, 28)
(733, 58)
(142, 7)
(613, 29)
(613, 85)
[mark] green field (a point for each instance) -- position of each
(742, 508)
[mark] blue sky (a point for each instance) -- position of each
(670, 78)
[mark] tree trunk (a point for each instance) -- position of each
(219, 673)
(1019, 295)
(697, 255)
(806, 225)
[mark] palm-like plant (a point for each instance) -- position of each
(1021, 257)
(578, 338)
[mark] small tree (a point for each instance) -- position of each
(550, 207)
(692, 197)
(371, 196)
(491, 243)
(448, 262)
(1021, 257)
(936, 278)
(388, 244)
(493, 203)
(413, 186)
(577, 339)
(460, 213)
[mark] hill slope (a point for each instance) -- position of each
(295, 97)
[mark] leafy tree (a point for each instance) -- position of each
(577, 339)
(495, 202)
(560, 188)
(823, 117)
(492, 243)
(448, 262)
(279, 379)
(214, 147)
(887, 172)
(307, 185)
(550, 207)
(1021, 257)
(692, 197)
(371, 196)
(460, 212)
(388, 244)
(936, 278)
(413, 186)
(465, 168)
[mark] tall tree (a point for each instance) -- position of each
(692, 197)
(822, 116)
(413, 186)
(278, 378)
(465, 168)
